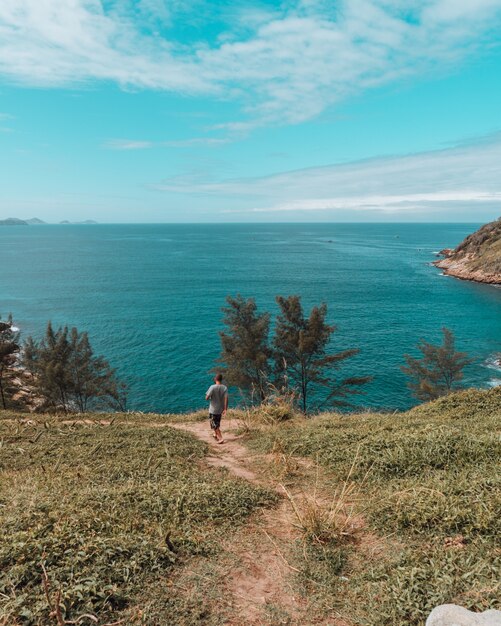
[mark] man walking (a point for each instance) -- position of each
(218, 396)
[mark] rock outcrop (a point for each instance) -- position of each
(453, 615)
(477, 258)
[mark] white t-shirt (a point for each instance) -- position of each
(217, 395)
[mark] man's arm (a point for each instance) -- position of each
(225, 403)
(208, 393)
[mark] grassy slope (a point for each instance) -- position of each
(484, 247)
(93, 504)
(430, 482)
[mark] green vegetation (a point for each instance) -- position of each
(118, 518)
(482, 248)
(109, 510)
(67, 376)
(245, 353)
(9, 350)
(439, 371)
(301, 350)
(300, 356)
(429, 491)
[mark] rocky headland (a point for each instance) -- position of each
(477, 258)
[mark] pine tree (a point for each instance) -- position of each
(67, 374)
(301, 345)
(440, 369)
(245, 352)
(9, 349)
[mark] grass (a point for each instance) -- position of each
(390, 515)
(431, 486)
(484, 246)
(108, 512)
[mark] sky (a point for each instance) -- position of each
(238, 111)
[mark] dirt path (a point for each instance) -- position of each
(257, 578)
(231, 454)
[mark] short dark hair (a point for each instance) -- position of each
(219, 378)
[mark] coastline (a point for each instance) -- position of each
(458, 268)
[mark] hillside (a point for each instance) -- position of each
(476, 258)
(13, 221)
(338, 520)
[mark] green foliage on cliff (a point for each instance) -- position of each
(68, 376)
(440, 369)
(9, 349)
(483, 248)
(300, 357)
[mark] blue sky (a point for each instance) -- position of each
(307, 110)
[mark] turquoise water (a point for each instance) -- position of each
(150, 295)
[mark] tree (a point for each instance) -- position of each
(67, 374)
(437, 373)
(245, 352)
(301, 351)
(9, 349)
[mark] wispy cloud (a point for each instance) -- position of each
(284, 66)
(469, 173)
(391, 203)
(6, 117)
(134, 144)
(127, 144)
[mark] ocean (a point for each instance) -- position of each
(150, 296)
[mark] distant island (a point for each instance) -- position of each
(13, 221)
(36, 221)
(477, 258)
(74, 223)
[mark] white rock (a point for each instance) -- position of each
(453, 615)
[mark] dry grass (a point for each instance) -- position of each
(284, 463)
(430, 483)
(403, 515)
(94, 515)
(331, 518)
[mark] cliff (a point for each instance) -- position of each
(477, 258)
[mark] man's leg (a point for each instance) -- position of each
(215, 424)
(212, 425)
(217, 430)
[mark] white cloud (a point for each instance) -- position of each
(134, 144)
(127, 144)
(466, 174)
(393, 203)
(284, 66)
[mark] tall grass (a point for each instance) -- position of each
(93, 515)
(430, 483)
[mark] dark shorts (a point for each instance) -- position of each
(215, 420)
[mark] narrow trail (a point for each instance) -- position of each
(257, 581)
(231, 454)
